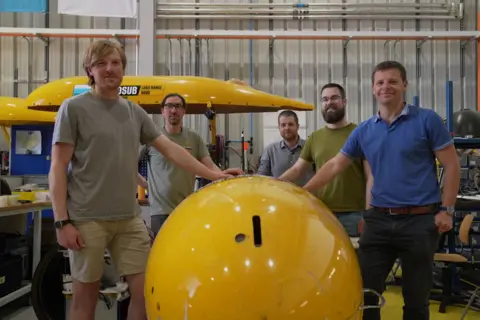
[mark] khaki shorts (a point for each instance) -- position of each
(127, 242)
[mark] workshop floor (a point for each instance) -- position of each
(391, 311)
(17, 311)
(394, 302)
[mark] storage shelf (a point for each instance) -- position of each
(23, 209)
(466, 143)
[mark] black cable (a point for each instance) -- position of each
(248, 159)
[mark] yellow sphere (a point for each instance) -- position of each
(253, 248)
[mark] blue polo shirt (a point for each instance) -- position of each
(401, 156)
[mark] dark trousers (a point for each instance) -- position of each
(157, 222)
(411, 237)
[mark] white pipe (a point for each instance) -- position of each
(292, 34)
(310, 5)
(290, 11)
(461, 10)
(137, 48)
(108, 33)
(304, 17)
(324, 35)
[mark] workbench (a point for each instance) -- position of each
(6, 214)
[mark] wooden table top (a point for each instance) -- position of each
(23, 206)
(45, 205)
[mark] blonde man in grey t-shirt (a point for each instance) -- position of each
(94, 202)
(168, 185)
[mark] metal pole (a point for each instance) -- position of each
(245, 34)
(310, 17)
(227, 116)
(15, 80)
(321, 35)
(170, 57)
(296, 4)
(250, 48)
(418, 55)
(344, 54)
(30, 64)
(271, 55)
(182, 60)
(197, 45)
(243, 152)
(46, 42)
(449, 106)
(15, 60)
(256, 11)
(416, 101)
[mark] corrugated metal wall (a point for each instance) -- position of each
(300, 68)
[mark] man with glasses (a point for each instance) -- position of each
(348, 194)
(168, 185)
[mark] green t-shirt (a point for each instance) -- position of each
(346, 192)
(169, 185)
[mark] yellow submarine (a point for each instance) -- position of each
(200, 93)
(13, 111)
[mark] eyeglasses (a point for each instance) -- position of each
(171, 106)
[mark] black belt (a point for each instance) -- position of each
(407, 210)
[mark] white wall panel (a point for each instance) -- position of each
(296, 69)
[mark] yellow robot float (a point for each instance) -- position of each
(13, 111)
(200, 94)
(203, 95)
(253, 247)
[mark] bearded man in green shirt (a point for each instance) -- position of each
(348, 195)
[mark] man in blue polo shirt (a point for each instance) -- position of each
(407, 210)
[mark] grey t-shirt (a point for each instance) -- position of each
(106, 135)
(168, 185)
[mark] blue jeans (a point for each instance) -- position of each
(350, 221)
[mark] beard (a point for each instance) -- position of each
(333, 117)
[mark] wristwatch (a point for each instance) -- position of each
(61, 223)
(450, 210)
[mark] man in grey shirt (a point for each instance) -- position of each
(280, 156)
(168, 185)
(94, 201)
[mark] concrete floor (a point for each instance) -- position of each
(17, 311)
(391, 311)
(22, 314)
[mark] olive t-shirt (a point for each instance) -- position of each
(169, 185)
(346, 192)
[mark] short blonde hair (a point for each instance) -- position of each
(98, 50)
